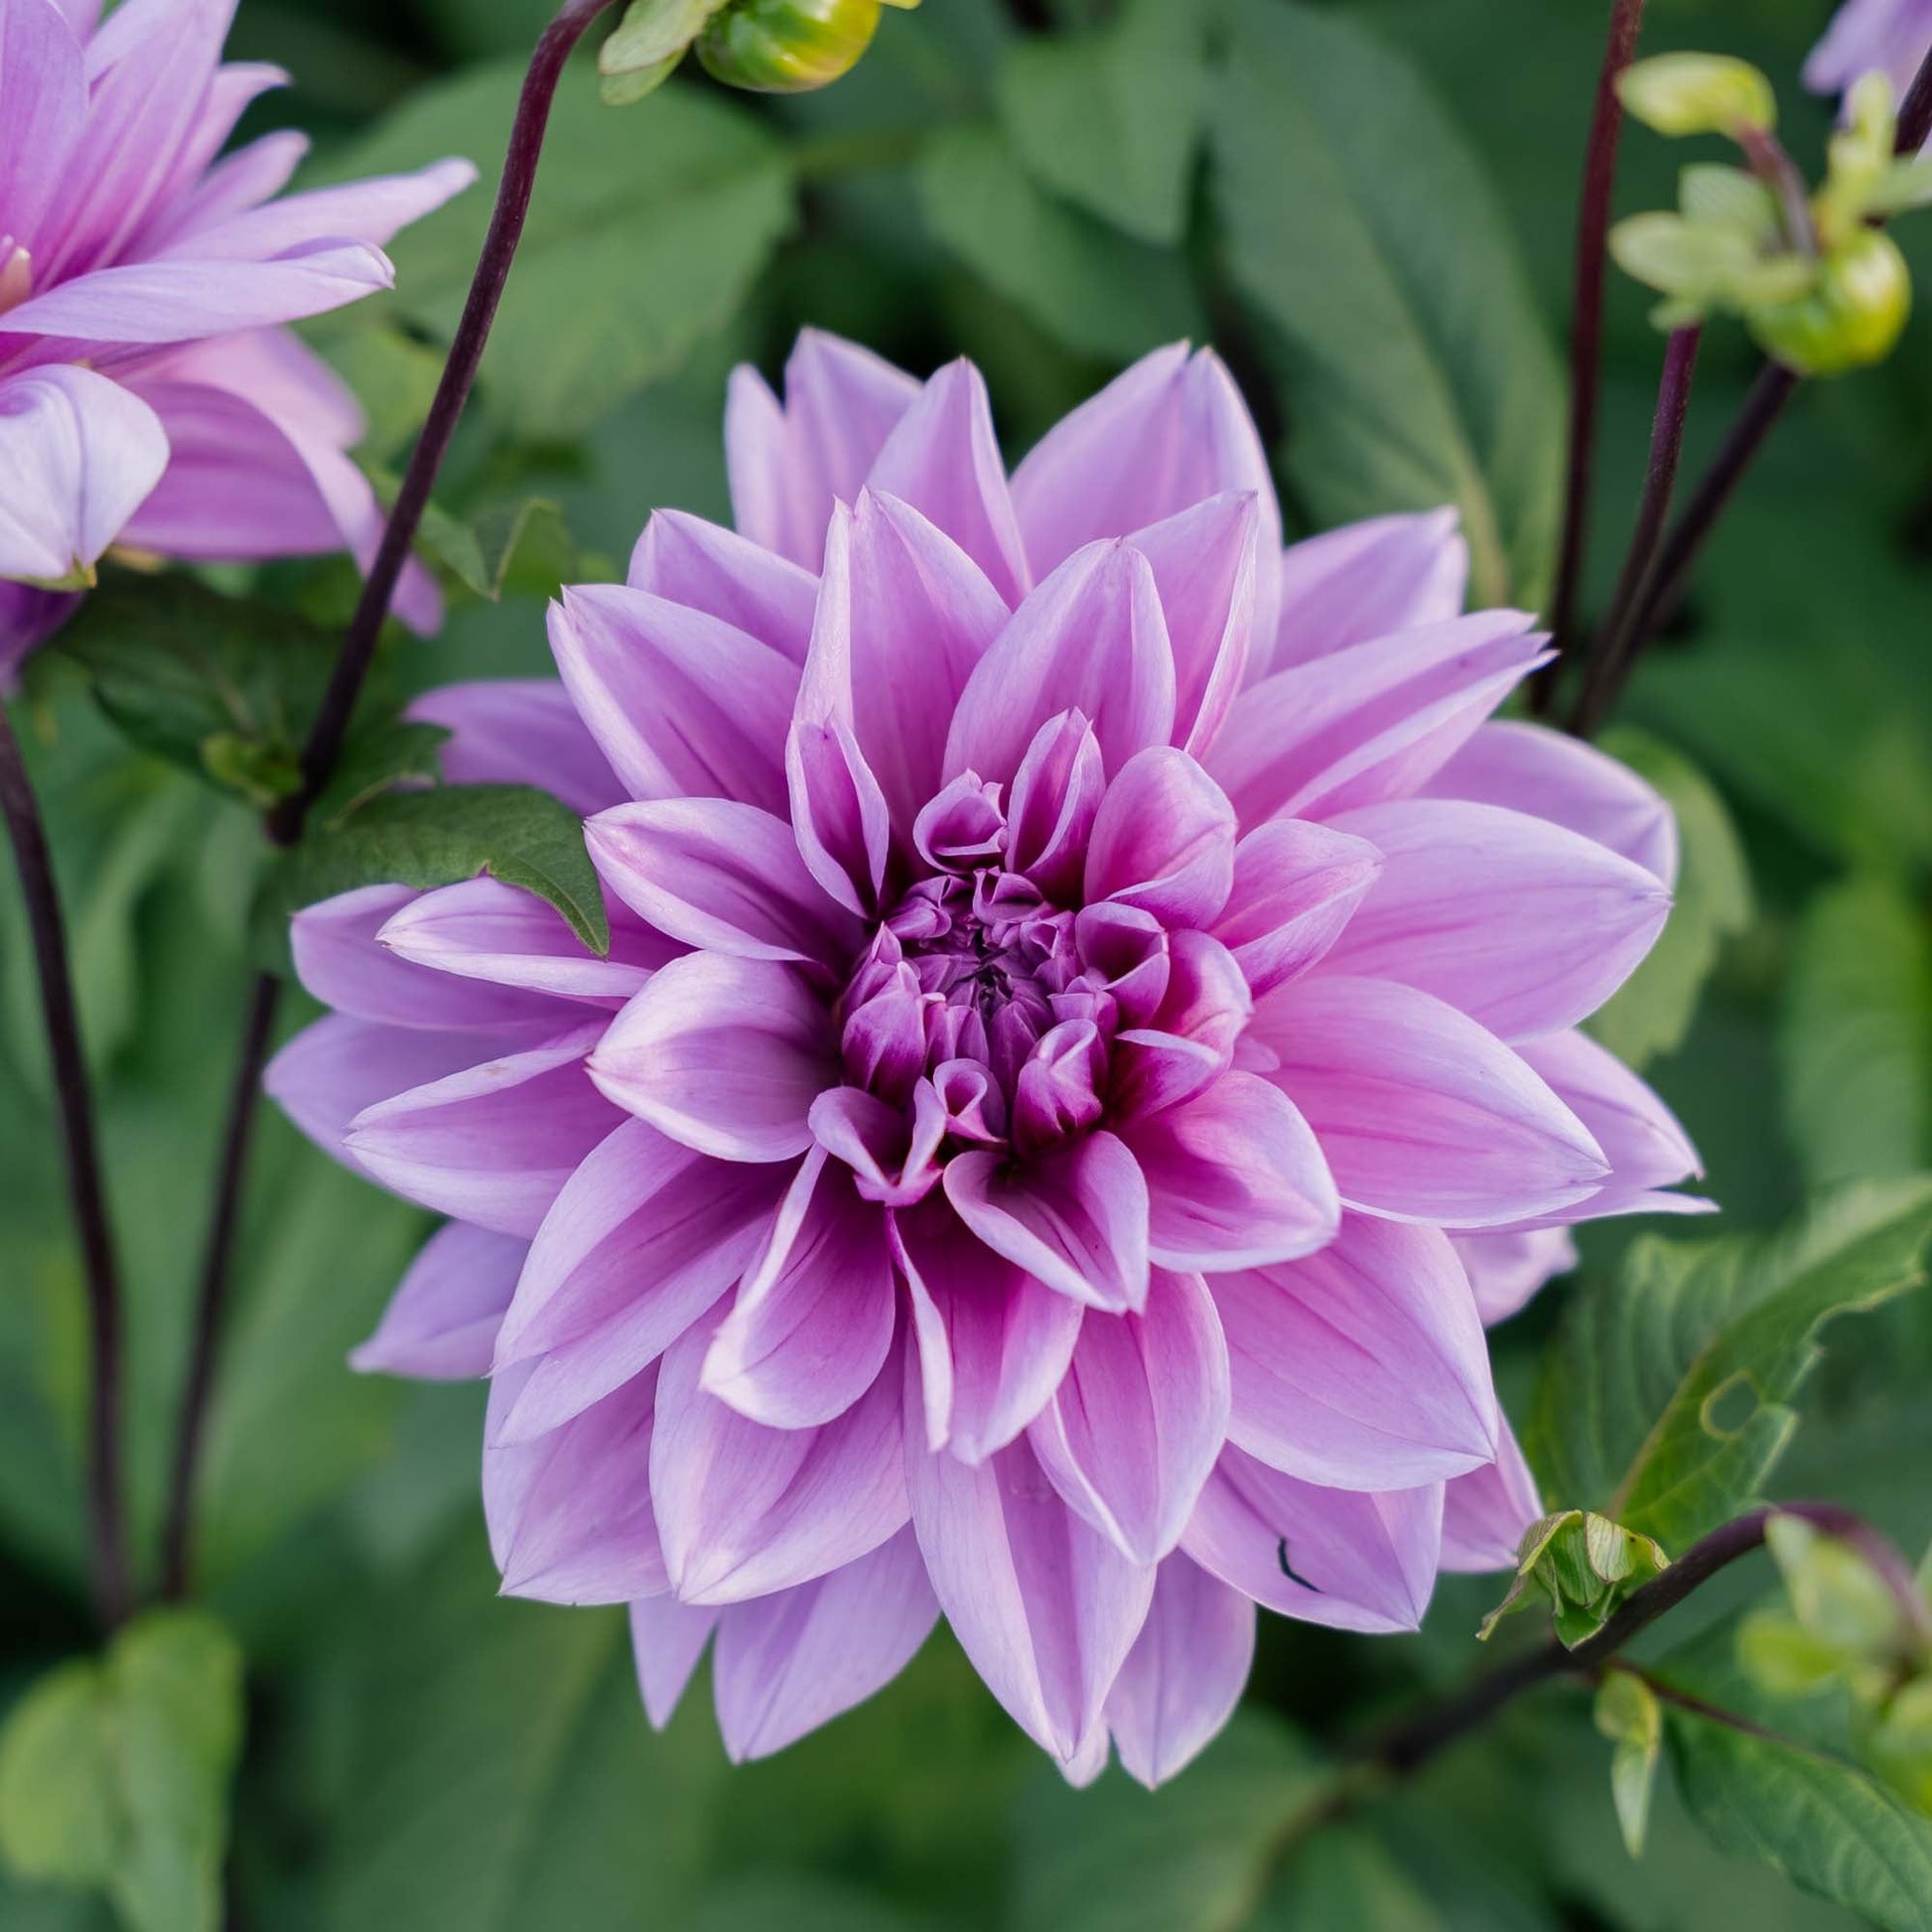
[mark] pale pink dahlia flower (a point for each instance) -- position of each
(146, 394)
(1080, 974)
(1894, 35)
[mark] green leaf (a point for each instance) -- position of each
(1629, 1715)
(115, 1774)
(1827, 1826)
(220, 686)
(1363, 230)
(651, 33)
(1192, 1857)
(1095, 288)
(1344, 1877)
(500, 1776)
(443, 836)
(1652, 1012)
(395, 750)
(1666, 1401)
(794, 1904)
(646, 234)
(1110, 119)
(1856, 1034)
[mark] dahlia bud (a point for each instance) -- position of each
(1698, 93)
(772, 47)
(1852, 316)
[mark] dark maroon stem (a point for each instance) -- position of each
(330, 727)
(1586, 337)
(1030, 16)
(87, 1197)
(1915, 111)
(322, 752)
(1604, 674)
(212, 1307)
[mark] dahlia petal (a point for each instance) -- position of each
(666, 1639)
(744, 1509)
(1165, 435)
(42, 111)
(1091, 638)
(441, 1323)
(789, 465)
(1506, 1269)
(682, 705)
(721, 876)
(646, 1236)
(1296, 887)
(1190, 1042)
(685, 560)
(1375, 721)
(993, 1342)
(28, 617)
(1646, 1148)
(814, 1317)
(1363, 1366)
(237, 181)
(1185, 1675)
(179, 301)
(1343, 1557)
(1485, 1513)
(1041, 1602)
(1235, 1178)
(372, 211)
(1364, 581)
(943, 459)
(338, 960)
(839, 815)
(1164, 840)
(1204, 567)
(1521, 925)
(1077, 1220)
(1134, 1428)
(1052, 805)
(334, 1070)
(569, 1514)
(1549, 775)
(493, 1144)
(485, 930)
(519, 732)
(789, 1662)
(725, 1056)
(1423, 1114)
(77, 454)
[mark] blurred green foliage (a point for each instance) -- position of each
(1367, 205)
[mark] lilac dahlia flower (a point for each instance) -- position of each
(1091, 988)
(1894, 35)
(148, 394)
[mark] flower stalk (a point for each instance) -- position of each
(113, 1585)
(329, 733)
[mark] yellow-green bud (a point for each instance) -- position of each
(786, 46)
(1698, 93)
(1852, 316)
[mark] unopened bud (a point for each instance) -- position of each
(786, 46)
(1698, 93)
(1852, 316)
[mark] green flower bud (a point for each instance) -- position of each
(786, 46)
(1698, 93)
(1852, 316)
(1898, 1744)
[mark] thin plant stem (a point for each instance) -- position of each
(329, 730)
(80, 1144)
(1605, 668)
(1586, 338)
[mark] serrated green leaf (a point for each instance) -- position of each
(646, 234)
(1666, 1401)
(1344, 1877)
(114, 1774)
(1418, 369)
(1097, 290)
(1651, 1013)
(443, 836)
(1856, 1033)
(1111, 118)
(395, 750)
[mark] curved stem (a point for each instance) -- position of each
(329, 730)
(1586, 337)
(211, 1305)
(113, 1587)
(1606, 661)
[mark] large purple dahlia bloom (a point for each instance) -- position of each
(148, 395)
(1088, 989)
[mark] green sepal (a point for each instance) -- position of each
(1628, 1713)
(1585, 1565)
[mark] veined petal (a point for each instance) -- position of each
(1295, 887)
(1421, 1112)
(1164, 840)
(1506, 1269)
(1367, 580)
(725, 1056)
(667, 1638)
(685, 560)
(1485, 1513)
(441, 1323)
(1363, 1366)
(519, 732)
